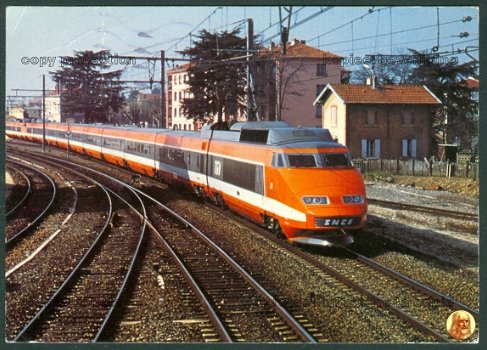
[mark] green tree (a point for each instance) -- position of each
(89, 87)
(457, 120)
(217, 77)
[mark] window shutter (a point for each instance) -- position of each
(364, 148)
(404, 147)
(413, 148)
(377, 148)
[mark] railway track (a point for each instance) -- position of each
(415, 303)
(248, 312)
(420, 287)
(431, 327)
(33, 210)
(23, 186)
(83, 305)
(424, 209)
(226, 304)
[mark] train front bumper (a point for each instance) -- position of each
(324, 240)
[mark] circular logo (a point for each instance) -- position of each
(460, 325)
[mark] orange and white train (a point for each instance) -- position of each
(295, 181)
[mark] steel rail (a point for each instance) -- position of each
(70, 279)
(217, 323)
(375, 299)
(287, 317)
(215, 319)
(130, 268)
(9, 242)
(444, 299)
(422, 208)
(27, 192)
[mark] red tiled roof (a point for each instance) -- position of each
(472, 83)
(179, 69)
(388, 94)
(297, 48)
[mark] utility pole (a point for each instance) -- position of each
(43, 113)
(163, 91)
(250, 45)
(163, 59)
(284, 30)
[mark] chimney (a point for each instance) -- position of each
(372, 82)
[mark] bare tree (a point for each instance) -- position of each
(287, 72)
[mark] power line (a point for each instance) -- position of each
(407, 42)
(321, 11)
(278, 22)
(203, 21)
(391, 33)
(346, 24)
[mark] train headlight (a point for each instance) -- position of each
(357, 199)
(314, 200)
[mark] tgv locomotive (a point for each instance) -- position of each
(295, 181)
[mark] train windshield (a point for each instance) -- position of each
(301, 160)
(312, 160)
(335, 160)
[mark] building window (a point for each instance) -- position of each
(407, 118)
(175, 96)
(409, 147)
(371, 118)
(318, 111)
(333, 115)
(321, 69)
(319, 88)
(370, 148)
(319, 108)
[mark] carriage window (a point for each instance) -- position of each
(302, 160)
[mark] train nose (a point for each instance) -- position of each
(342, 208)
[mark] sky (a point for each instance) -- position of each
(36, 37)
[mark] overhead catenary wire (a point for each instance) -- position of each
(405, 43)
(390, 33)
(345, 24)
(310, 17)
(137, 74)
(195, 28)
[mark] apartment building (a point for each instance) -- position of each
(284, 86)
(287, 84)
(177, 90)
